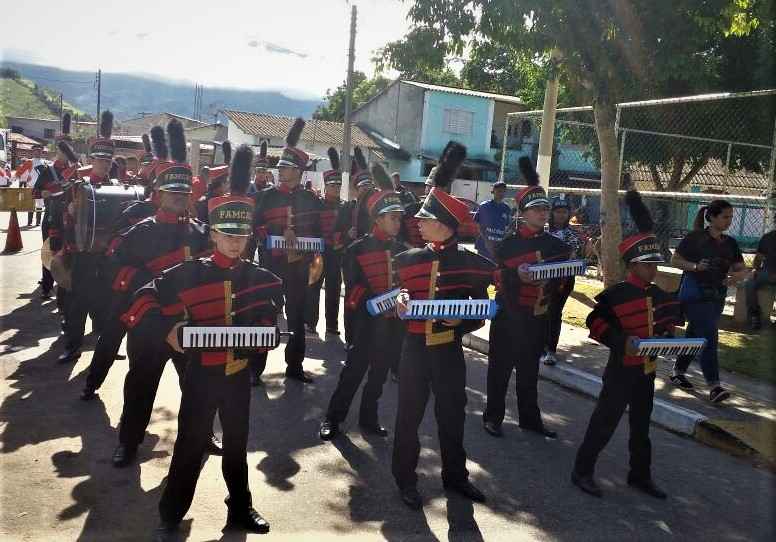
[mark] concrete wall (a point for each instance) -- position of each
(396, 114)
(434, 137)
(35, 128)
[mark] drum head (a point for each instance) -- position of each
(84, 215)
(96, 210)
(46, 255)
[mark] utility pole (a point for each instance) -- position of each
(99, 92)
(348, 104)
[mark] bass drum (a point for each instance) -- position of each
(96, 209)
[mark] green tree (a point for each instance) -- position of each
(364, 89)
(608, 52)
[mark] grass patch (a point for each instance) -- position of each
(17, 99)
(750, 354)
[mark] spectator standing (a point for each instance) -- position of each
(493, 218)
(711, 262)
(764, 275)
(559, 227)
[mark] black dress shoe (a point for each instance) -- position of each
(45, 295)
(69, 356)
(166, 531)
(214, 446)
(493, 429)
(648, 487)
(467, 489)
(373, 429)
(249, 520)
(329, 429)
(411, 497)
(541, 430)
(300, 375)
(88, 393)
(123, 455)
(586, 484)
(256, 380)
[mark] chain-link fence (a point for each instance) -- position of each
(702, 145)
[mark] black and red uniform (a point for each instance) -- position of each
(517, 333)
(209, 291)
(89, 281)
(136, 256)
(277, 209)
(432, 356)
(332, 270)
(629, 308)
(369, 271)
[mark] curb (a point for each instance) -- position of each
(665, 414)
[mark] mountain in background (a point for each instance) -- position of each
(129, 95)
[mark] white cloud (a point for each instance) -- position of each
(296, 45)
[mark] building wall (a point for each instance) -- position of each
(434, 135)
(34, 128)
(396, 114)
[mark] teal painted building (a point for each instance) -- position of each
(412, 122)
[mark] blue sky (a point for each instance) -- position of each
(299, 46)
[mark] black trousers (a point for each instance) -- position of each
(105, 351)
(623, 386)
(47, 279)
(295, 276)
(146, 366)
(555, 316)
(332, 279)
(87, 298)
(376, 348)
(516, 343)
(439, 369)
(37, 214)
(205, 391)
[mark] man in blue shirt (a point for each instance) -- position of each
(493, 219)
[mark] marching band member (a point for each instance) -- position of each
(290, 211)
(262, 177)
(216, 179)
(410, 233)
(352, 221)
(625, 312)
(221, 289)
(332, 254)
(369, 271)
(141, 254)
(432, 356)
(88, 280)
(518, 331)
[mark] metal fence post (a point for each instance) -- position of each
(622, 156)
(504, 149)
(727, 166)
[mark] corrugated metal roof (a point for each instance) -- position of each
(318, 131)
(466, 92)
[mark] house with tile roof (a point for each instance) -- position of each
(317, 136)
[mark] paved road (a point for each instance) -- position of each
(57, 482)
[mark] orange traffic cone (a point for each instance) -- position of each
(13, 239)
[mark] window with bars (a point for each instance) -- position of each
(458, 121)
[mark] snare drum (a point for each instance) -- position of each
(96, 210)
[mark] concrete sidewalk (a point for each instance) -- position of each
(745, 424)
